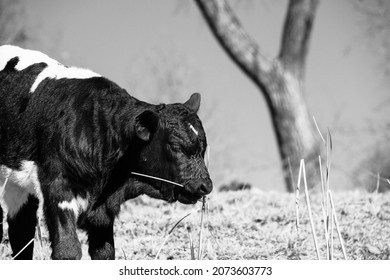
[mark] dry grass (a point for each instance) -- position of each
(259, 225)
(246, 225)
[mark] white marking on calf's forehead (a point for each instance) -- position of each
(193, 129)
(77, 205)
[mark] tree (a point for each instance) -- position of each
(13, 27)
(376, 29)
(280, 79)
(374, 171)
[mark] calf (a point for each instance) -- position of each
(72, 141)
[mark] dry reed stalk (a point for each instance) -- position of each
(322, 180)
(2, 188)
(378, 177)
(210, 229)
(296, 196)
(24, 248)
(323, 208)
(325, 188)
(156, 178)
(325, 185)
(169, 233)
(39, 233)
(39, 236)
(124, 254)
(203, 211)
(337, 225)
(331, 253)
(201, 227)
(329, 147)
(302, 167)
(192, 249)
(325, 232)
(318, 129)
(328, 208)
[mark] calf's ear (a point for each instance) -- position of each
(193, 103)
(146, 125)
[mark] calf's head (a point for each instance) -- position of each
(173, 148)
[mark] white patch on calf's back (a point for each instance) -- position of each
(26, 57)
(54, 69)
(77, 205)
(60, 72)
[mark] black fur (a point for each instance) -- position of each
(1, 224)
(86, 136)
(21, 229)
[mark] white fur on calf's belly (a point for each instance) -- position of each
(21, 183)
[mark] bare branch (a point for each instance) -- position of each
(296, 35)
(234, 39)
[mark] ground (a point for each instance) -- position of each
(248, 224)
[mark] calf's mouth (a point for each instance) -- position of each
(185, 197)
(178, 192)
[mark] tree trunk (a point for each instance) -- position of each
(279, 79)
(295, 133)
(1, 224)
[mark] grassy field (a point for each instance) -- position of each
(247, 224)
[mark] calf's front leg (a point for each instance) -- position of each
(60, 213)
(101, 242)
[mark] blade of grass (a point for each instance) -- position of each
(201, 228)
(328, 157)
(39, 236)
(323, 208)
(309, 209)
(322, 180)
(378, 177)
(24, 248)
(156, 178)
(329, 147)
(124, 254)
(39, 233)
(331, 253)
(192, 249)
(337, 225)
(210, 229)
(325, 232)
(169, 233)
(297, 195)
(2, 189)
(318, 129)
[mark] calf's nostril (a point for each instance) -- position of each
(205, 188)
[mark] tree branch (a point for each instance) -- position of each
(234, 39)
(296, 35)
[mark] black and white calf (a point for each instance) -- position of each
(70, 140)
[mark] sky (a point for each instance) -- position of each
(138, 44)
